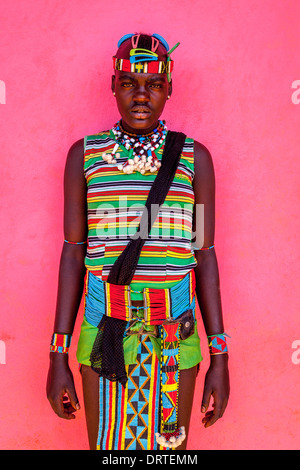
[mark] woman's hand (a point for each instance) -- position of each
(60, 387)
(217, 387)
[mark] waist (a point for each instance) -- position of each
(157, 306)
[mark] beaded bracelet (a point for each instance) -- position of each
(60, 343)
(204, 248)
(75, 243)
(217, 344)
(207, 247)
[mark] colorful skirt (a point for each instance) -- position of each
(131, 417)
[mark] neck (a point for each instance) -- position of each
(131, 130)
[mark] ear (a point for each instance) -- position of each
(170, 88)
(113, 79)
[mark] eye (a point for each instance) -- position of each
(156, 85)
(127, 85)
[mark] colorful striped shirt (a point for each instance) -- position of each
(115, 201)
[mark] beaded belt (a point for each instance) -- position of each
(159, 304)
(173, 309)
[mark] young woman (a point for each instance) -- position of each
(139, 348)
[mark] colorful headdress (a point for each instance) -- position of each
(143, 57)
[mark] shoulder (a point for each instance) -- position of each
(202, 156)
(76, 150)
(96, 138)
(75, 157)
(203, 164)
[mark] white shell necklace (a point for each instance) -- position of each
(141, 149)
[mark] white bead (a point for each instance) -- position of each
(120, 167)
(130, 161)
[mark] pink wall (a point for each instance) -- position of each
(233, 83)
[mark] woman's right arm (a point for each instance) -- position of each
(61, 391)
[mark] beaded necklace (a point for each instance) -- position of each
(141, 149)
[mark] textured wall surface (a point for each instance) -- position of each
(235, 89)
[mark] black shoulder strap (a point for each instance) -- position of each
(124, 268)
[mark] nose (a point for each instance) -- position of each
(141, 94)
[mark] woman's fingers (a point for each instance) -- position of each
(216, 413)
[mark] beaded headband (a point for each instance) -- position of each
(145, 60)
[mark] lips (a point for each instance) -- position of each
(140, 111)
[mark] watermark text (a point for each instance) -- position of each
(296, 94)
(2, 352)
(296, 354)
(124, 220)
(2, 92)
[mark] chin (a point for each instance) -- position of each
(140, 124)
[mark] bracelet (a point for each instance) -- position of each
(204, 248)
(217, 344)
(60, 343)
(75, 243)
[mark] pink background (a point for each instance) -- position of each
(232, 91)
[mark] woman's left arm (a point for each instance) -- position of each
(208, 284)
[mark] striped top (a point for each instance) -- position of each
(115, 201)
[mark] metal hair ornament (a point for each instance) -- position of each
(142, 60)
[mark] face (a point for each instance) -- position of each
(140, 99)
